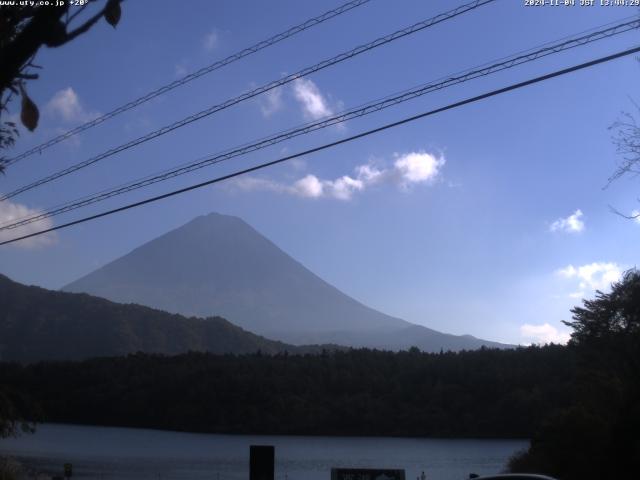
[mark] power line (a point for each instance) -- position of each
(371, 107)
(312, 22)
(257, 91)
(367, 133)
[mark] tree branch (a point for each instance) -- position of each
(78, 12)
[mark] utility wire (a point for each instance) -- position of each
(253, 93)
(371, 107)
(312, 22)
(367, 133)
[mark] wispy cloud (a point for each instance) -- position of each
(408, 169)
(309, 186)
(271, 102)
(591, 277)
(571, 224)
(66, 105)
(313, 103)
(210, 41)
(259, 184)
(636, 215)
(542, 334)
(9, 212)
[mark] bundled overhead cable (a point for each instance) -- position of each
(367, 133)
(417, 27)
(312, 22)
(371, 107)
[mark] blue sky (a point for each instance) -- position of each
(490, 219)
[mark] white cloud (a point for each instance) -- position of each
(308, 186)
(410, 168)
(66, 105)
(210, 41)
(369, 174)
(591, 277)
(344, 187)
(271, 102)
(636, 215)
(314, 104)
(571, 224)
(545, 333)
(10, 212)
(567, 272)
(418, 167)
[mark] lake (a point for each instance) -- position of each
(126, 453)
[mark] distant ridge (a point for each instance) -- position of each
(38, 324)
(219, 265)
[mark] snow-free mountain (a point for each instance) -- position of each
(218, 265)
(39, 325)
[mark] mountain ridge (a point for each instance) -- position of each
(220, 265)
(37, 324)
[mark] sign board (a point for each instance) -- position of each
(68, 470)
(261, 462)
(366, 474)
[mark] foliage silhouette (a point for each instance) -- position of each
(597, 436)
(484, 393)
(24, 29)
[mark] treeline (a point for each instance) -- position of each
(485, 393)
(579, 404)
(598, 435)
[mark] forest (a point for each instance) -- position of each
(579, 404)
(485, 393)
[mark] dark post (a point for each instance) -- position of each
(261, 462)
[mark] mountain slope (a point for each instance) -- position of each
(219, 265)
(38, 324)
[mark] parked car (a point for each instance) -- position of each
(511, 476)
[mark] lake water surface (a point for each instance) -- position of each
(125, 453)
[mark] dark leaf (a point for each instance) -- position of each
(29, 114)
(57, 35)
(112, 12)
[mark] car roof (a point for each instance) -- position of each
(514, 476)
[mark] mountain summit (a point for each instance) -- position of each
(219, 265)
